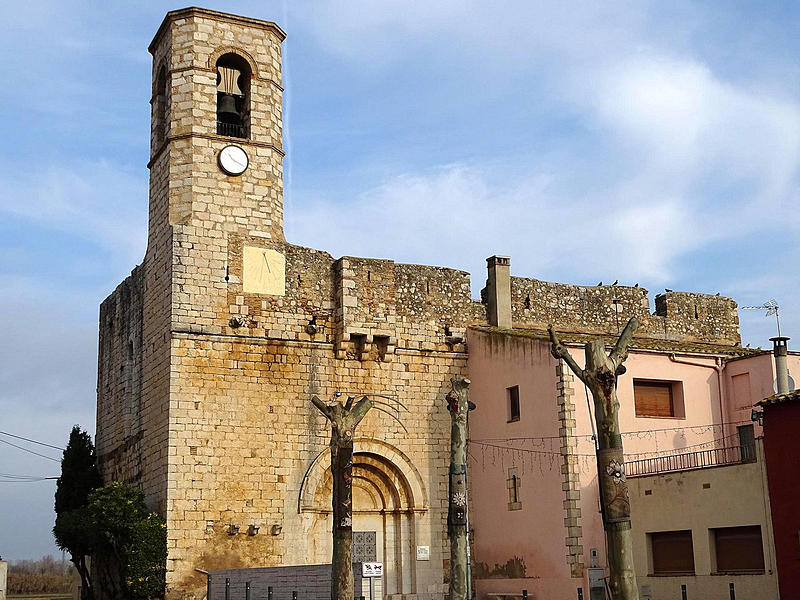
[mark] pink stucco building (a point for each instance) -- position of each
(693, 455)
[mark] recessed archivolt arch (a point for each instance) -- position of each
(376, 496)
(381, 489)
(389, 470)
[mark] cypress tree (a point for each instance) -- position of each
(72, 530)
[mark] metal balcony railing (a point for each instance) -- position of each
(700, 459)
(230, 129)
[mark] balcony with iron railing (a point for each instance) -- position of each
(700, 459)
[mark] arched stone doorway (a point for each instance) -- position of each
(389, 499)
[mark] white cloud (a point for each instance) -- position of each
(96, 201)
(686, 122)
(691, 161)
(457, 215)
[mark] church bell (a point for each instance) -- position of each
(227, 112)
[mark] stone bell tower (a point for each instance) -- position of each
(216, 181)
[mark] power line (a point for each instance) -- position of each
(9, 478)
(526, 450)
(31, 451)
(19, 437)
(624, 433)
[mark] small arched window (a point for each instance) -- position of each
(160, 124)
(233, 96)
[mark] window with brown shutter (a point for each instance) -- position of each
(738, 549)
(672, 552)
(653, 398)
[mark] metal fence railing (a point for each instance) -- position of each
(699, 459)
(230, 129)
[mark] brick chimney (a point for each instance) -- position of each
(498, 291)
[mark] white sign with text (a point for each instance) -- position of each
(372, 569)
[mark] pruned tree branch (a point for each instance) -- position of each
(620, 352)
(559, 350)
(321, 406)
(359, 411)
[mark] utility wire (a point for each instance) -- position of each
(9, 478)
(624, 433)
(31, 451)
(19, 437)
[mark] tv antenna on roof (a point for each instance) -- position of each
(771, 306)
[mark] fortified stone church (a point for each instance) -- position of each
(212, 348)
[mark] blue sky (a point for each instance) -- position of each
(647, 142)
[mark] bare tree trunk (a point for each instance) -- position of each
(600, 376)
(87, 593)
(344, 419)
(458, 405)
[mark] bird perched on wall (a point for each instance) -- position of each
(636, 284)
(616, 281)
(599, 283)
(717, 294)
(667, 290)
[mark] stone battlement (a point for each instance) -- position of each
(684, 316)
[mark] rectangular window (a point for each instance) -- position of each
(672, 552)
(738, 549)
(658, 398)
(513, 484)
(513, 403)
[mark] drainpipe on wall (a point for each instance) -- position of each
(780, 351)
(718, 366)
(498, 291)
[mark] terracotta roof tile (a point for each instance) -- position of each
(793, 396)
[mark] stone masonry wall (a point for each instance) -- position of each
(119, 380)
(606, 309)
(244, 434)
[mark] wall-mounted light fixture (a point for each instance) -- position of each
(276, 529)
(252, 530)
(233, 529)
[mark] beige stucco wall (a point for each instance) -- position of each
(735, 496)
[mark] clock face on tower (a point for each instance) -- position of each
(233, 160)
(263, 271)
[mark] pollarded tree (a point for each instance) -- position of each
(600, 375)
(344, 419)
(79, 477)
